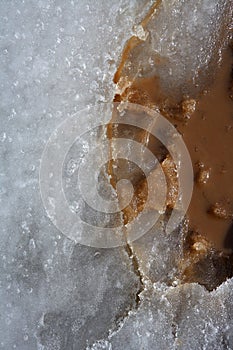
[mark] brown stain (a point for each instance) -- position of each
(143, 91)
(138, 201)
(203, 264)
(134, 41)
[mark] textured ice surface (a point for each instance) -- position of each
(184, 39)
(189, 36)
(56, 57)
(185, 317)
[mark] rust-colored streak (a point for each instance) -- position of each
(134, 41)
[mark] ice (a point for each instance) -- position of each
(185, 317)
(190, 42)
(183, 45)
(57, 57)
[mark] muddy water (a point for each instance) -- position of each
(209, 137)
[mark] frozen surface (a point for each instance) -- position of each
(57, 57)
(190, 42)
(185, 317)
(182, 44)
